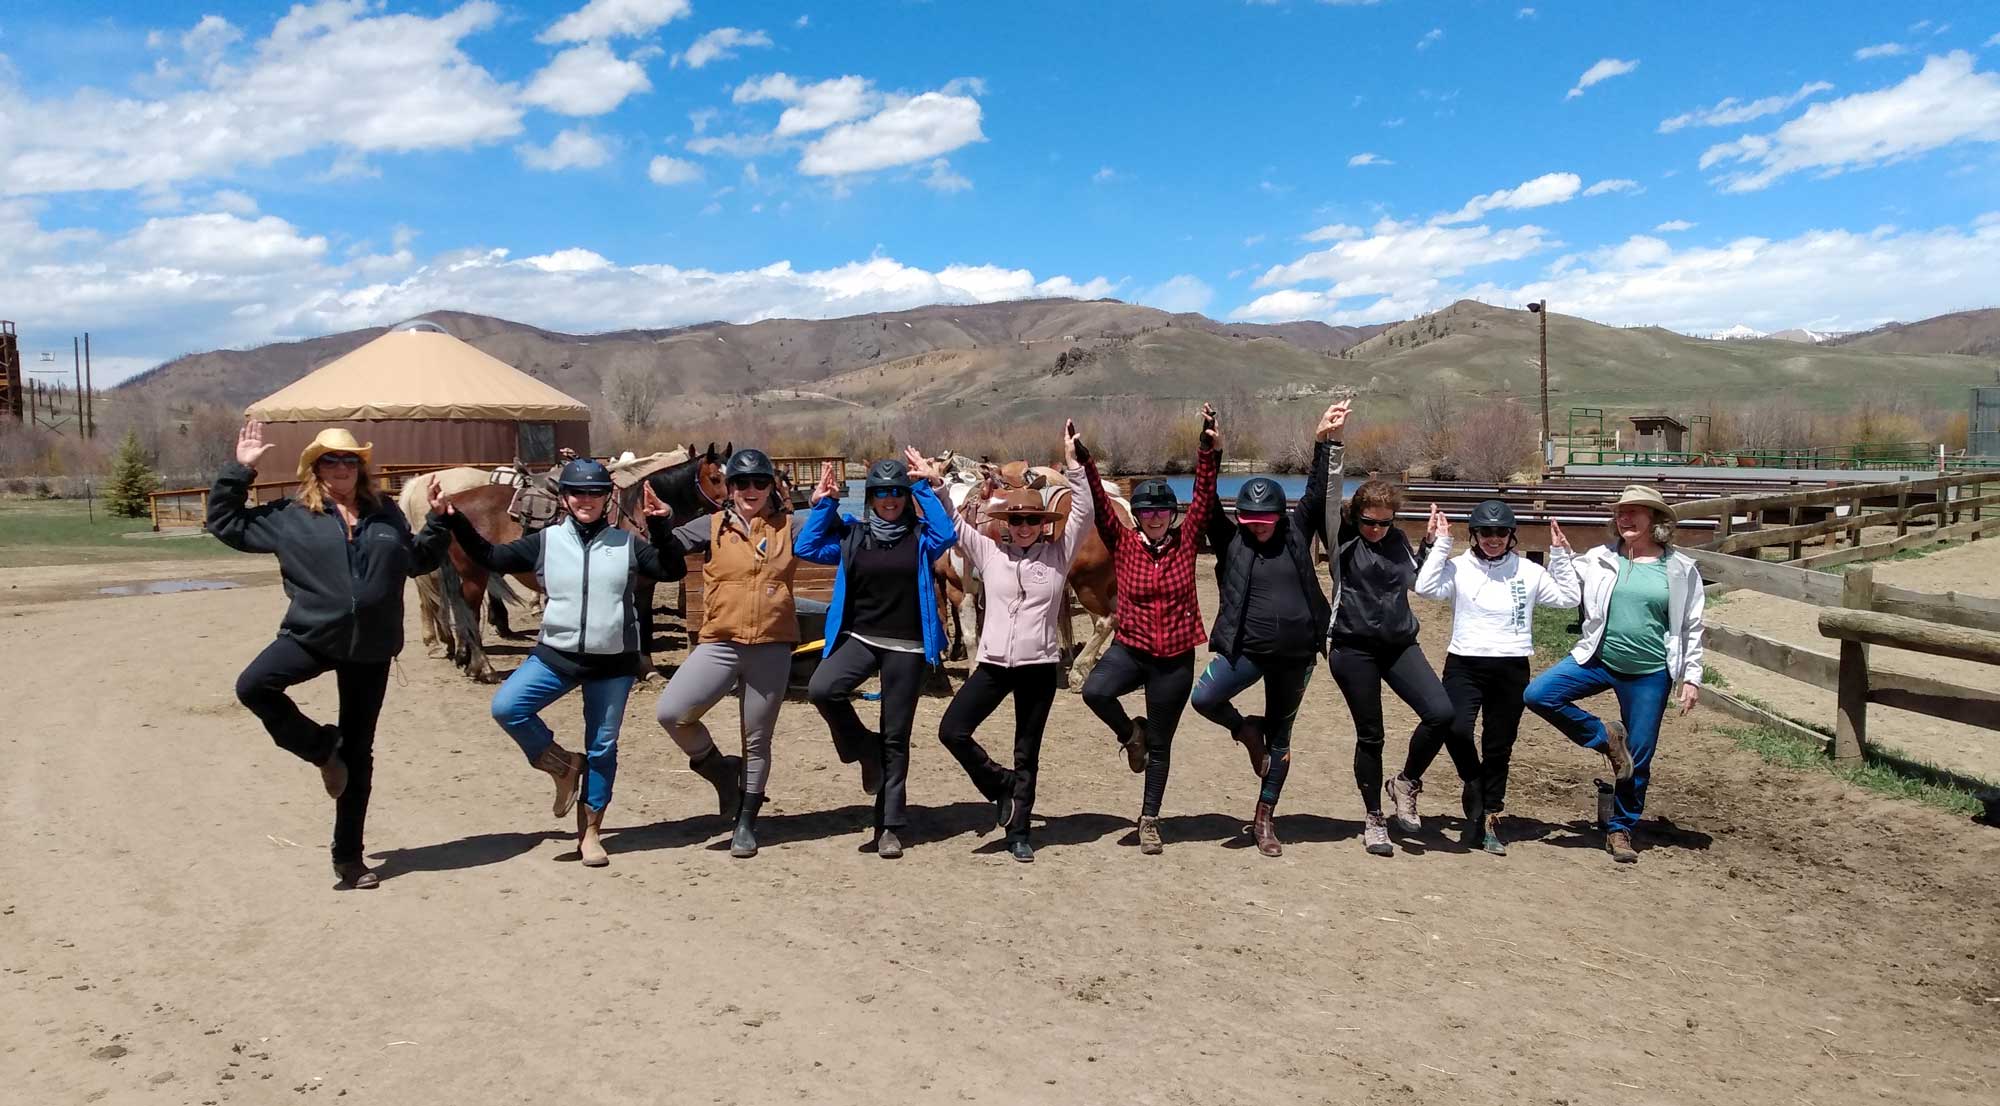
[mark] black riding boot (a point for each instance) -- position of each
(743, 843)
(1474, 804)
(725, 773)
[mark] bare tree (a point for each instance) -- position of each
(635, 396)
(1493, 441)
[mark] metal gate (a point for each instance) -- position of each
(1983, 437)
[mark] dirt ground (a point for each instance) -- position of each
(1972, 568)
(169, 932)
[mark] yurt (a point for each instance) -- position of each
(424, 397)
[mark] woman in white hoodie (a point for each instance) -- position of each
(1642, 632)
(1493, 593)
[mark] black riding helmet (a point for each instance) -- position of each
(1490, 513)
(749, 462)
(887, 473)
(1154, 494)
(1260, 493)
(584, 475)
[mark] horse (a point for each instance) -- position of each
(690, 483)
(434, 620)
(452, 597)
(1093, 580)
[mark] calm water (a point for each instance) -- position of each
(1226, 486)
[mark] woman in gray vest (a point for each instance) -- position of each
(590, 634)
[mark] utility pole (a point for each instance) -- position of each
(76, 355)
(1548, 443)
(89, 391)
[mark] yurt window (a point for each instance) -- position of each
(536, 441)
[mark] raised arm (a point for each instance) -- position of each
(1328, 467)
(650, 560)
(1081, 510)
(1108, 525)
(519, 555)
(1560, 586)
(231, 519)
(820, 531)
(1434, 579)
(939, 531)
(1207, 464)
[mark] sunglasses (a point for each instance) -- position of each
(1256, 516)
(1013, 520)
(1490, 532)
(890, 493)
(1375, 523)
(1154, 512)
(761, 483)
(346, 460)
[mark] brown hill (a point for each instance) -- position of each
(1967, 332)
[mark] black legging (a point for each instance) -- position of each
(1124, 669)
(1361, 672)
(262, 686)
(1033, 687)
(834, 681)
(1489, 686)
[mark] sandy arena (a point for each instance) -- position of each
(171, 935)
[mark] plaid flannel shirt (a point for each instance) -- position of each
(1158, 611)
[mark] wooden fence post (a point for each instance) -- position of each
(1943, 498)
(1850, 730)
(1854, 515)
(1798, 547)
(1902, 521)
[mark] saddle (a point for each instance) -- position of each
(535, 506)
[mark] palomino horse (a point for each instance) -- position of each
(1093, 580)
(461, 585)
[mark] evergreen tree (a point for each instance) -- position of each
(131, 480)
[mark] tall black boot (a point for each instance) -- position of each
(1473, 801)
(743, 843)
(725, 773)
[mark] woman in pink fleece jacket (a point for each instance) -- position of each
(1019, 649)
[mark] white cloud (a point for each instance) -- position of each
(1179, 294)
(812, 107)
(1732, 111)
(1396, 122)
(942, 178)
(1359, 160)
(327, 76)
(1104, 175)
(1673, 225)
(233, 202)
(1944, 103)
(1525, 13)
(718, 45)
(1995, 40)
(1334, 232)
(1549, 188)
(1882, 50)
(602, 19)
(1430, 37)
(913, 130)
(1604, 70)
(586, 80)
(802, 22)
(1616, 184)
(1401, 258)
(222, 242)
(572, 260)
(672, 170)
(575, 148)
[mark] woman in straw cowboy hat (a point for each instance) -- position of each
(344, 552)
(1019, 654)
(1642, 632)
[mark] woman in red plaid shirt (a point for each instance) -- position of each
(1159, 619)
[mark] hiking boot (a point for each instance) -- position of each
(1491, 838)
(333, 770)
(355, 875)
(1251, 735)
(887, 845)
(1403, 792)
(1619, 844)
(1003, 805)
(743, 843)
(1022, 851)
(588, 848)
(1149, 835)
(1265, 833)
(1473, 835)
(566, 768)
(871, 773)
(1135, 746)
(1619, 750)
(1607, 804)
(1375, 835)
(725, 774)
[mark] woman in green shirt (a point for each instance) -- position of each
(1642, 631)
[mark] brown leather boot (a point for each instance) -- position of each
(333, 770)
(1619, 844)
(566, 768)
(588, 847)
(1265, 833)
(1149, 835)
(1251, 735)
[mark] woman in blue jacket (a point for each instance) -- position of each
(883, 618)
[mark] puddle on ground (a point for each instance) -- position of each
(167, 587)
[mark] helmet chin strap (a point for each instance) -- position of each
(1479, 550)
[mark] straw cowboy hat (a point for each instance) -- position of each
(333, 440)
(1024, 505)
(1639, 495)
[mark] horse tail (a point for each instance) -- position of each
(459, 615)
(497, 585)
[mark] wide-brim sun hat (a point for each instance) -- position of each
(333, 439)
(1639, 495)
(1022, 505)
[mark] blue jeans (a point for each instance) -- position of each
(1285, 680)
(1642, 703)
(518, 706)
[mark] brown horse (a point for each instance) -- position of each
(464, 582)
(691, 487)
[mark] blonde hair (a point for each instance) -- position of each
(312, 492)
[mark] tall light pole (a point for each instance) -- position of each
(1548, 443)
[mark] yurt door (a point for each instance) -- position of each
(535, 441)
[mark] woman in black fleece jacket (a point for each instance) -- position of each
(343, 551)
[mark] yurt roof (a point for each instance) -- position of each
(417, 373)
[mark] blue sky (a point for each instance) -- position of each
(178, 177)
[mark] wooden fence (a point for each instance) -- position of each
(1823, 515)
